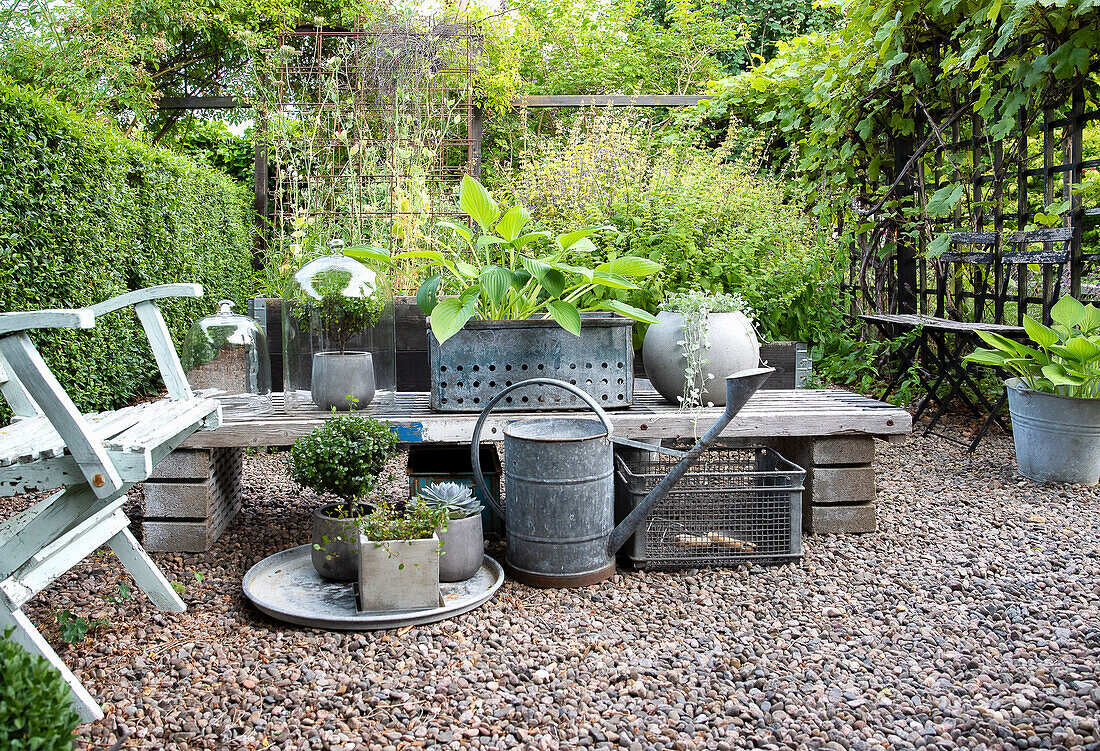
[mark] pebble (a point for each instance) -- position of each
(968, 618)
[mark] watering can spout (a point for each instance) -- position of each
(740, 387)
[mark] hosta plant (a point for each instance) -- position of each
(1066, 357)
(458, 500)
(511, 272)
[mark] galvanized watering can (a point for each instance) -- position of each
(558, 479)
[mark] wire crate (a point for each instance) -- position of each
(735, 504)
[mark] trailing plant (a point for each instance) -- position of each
(36, 710)
(1066, 356)
(695, 307)
(345, 456)
(501, 279)
(416, 520)
(457, 500)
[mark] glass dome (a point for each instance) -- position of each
(225, 356)
(339, 348)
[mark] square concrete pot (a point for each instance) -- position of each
(397, 575)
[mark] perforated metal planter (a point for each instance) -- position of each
(471, 367)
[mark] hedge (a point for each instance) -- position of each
(85, 214)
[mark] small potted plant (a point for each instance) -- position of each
(399, 558)
(345, 457)
(462, 543)
(341, 377)
(1054, 398)
(698, 336)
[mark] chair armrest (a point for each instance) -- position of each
(59, 318)
(159, 292)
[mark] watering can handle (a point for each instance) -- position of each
(475, 441)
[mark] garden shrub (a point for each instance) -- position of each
(36, 713)
(712, 219)
(86, 214)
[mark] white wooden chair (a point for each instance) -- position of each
(94, 459)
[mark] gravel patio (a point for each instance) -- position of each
(972, 618)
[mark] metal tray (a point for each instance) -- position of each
(287, 587)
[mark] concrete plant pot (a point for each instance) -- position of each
(733, 347)
(1057, 437)
(342, 380)
(335, 542)
(463, 549)
(397, 575)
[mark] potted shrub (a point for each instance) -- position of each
(462, 542)
(698, 336)
(345, 457)
(514, 312)
(399, 558)
(1054, 398)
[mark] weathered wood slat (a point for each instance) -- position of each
(176, 418)
(941, 324)
(79, 318)
(1046, 235)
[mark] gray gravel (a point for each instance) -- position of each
(969, 619)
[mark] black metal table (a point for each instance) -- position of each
(941, 361)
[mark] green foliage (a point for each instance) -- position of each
(36, 712)
(73, 628)
(716, 223)
(1066, 356)
(844, 359)
(339, 314)
(415, 520)
(506, 281)
(211, 143)
(86, 214)
(837, 104)
(344, 456)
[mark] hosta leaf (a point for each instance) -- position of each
(986, 357)
(464, 232)
(634, 267)
(450, 315)
(570, 269)
(614, 281)
(487, 240)
(1068, 312)
(368, 253)
(1042, 335)
(535, 267)
(997, 341)
(566, 314)
(1082, 350)
(1058, 375)
(616, 306)
(427, 294)
(553, 281)
(513, 222)
(567, 240)
(467, 269)
(522, 240)
(475, 200)
(430, 255)
(495, 282)
(1091, 321)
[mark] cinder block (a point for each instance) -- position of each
(191, 464)
(179, 500)
(842, 484)
(189, 516)
(843, 450)
(837, 519)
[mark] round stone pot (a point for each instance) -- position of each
(733, 347)
(462, 549)
(339, 379)
(1057, 437)
(335, 541)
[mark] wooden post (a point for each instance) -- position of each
(905, 253)
(1076, 262)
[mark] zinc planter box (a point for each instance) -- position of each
(1057, 437)
(474, 365)
(397, 575)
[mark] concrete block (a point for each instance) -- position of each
(176, 500)
(837, 519)
(842, 484)
(192, 464)
(833, 450)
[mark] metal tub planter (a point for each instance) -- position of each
(472, 366)
(1057, 437)
(398, 575)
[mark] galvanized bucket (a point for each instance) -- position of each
(1057, 437)
(559, 486)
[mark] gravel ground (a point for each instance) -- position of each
(969, 619)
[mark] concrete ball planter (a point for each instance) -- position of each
(1057, 437)
(341, 380)
(397, 575)
(335, 544)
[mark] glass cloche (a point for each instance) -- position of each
(225, 356)
(338, 336)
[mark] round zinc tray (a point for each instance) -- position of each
(287, 587)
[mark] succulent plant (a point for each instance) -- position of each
(459, 500)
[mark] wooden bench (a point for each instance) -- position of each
(829, 432)
(94, 458)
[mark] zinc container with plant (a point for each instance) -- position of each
(1054, 396)
(344, 457)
